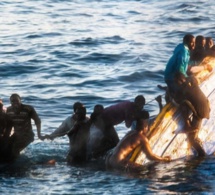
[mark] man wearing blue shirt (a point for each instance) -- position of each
(179, 61)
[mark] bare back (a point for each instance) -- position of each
(124, 149)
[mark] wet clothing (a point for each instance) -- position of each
(78, 138)
(23, 132)
(111, 116)
(101, 140)
(5, 131)
(191, 98)
(65, 127)
(116, 114)
(177, 63)
(5, 125)
(191, 92)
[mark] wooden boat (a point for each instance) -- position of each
(165, 136)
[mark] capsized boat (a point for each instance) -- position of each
(165, 136)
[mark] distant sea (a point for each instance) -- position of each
(56, 52)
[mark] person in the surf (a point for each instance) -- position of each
(101, 139)
(66, 125)
(124, 111)
(119, 157)
(78, 138)
(5, 131)
(21, 114)
(192, 100)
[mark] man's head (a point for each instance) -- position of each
(77, 105)
(98, 108)
(139, 102)
(200, 41)
(80, 113)
(189, 40)
(15, 101)
(142, 121)
(209, 42)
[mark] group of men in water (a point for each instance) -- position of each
(95, 136)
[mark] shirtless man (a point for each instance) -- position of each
(125, 111)
(191, 99)
(119, 158)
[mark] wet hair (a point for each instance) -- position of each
(15, 95)
(98, 108)
(81, 109)
(141, 116)
(77, 105)
(188, 38)
(140, 98)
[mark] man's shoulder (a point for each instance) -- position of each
(9, 108)
(181, 48)
(27, 107)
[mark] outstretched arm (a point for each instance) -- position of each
(149, 154)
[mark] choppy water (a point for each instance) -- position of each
(56, 52)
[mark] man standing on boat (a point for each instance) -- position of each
(184, 92)
(179, 62)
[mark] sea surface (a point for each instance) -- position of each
(56, 52)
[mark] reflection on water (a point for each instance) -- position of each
(56, 52)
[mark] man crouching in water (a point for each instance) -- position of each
(119, 158)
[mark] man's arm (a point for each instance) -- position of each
(37, 121)
(62, 130)
(149, 154)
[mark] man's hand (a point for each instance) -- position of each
(208, 67)
(45, 137)
(167, 158)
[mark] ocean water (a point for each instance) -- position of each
(56, 52)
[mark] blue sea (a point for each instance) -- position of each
(56, 52)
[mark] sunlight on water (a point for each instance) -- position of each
(56, 52)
